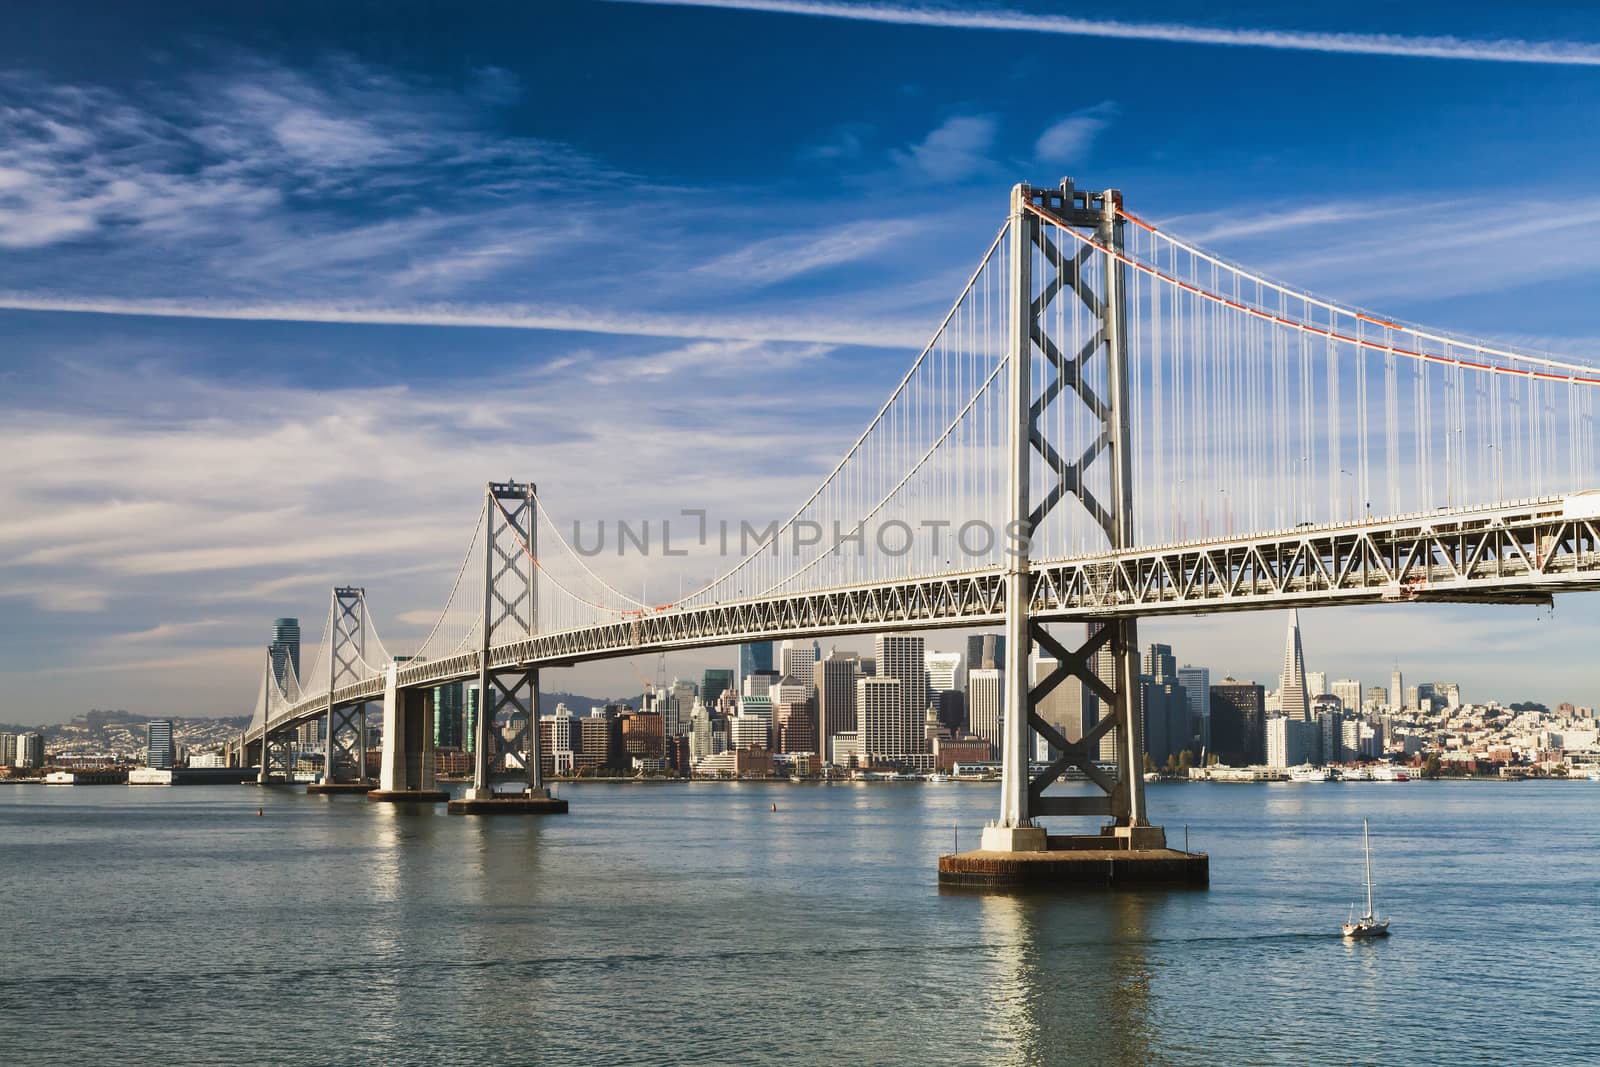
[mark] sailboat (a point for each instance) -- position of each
(1369, 925)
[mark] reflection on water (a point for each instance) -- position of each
(1075, 975)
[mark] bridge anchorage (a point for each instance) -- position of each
(1143, 429)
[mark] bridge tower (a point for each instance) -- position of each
(345, 731)
(1104, 392)
(510, 615)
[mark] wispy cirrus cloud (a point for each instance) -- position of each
(1503, 50)
(956, 149)
(878, 333)
(1069, 139)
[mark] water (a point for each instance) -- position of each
(691, 924)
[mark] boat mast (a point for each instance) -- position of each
(1366, 843)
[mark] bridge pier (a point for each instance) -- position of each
(1015, 849)
(511, 596)
(406, 774)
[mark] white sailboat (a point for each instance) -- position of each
(1369, 925)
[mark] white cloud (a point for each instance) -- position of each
(955, 150)
(1068, 140)
(1569, 53)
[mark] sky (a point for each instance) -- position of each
(281, 286)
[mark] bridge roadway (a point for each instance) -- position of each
(1515, 553)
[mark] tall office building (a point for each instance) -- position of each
(986, 650)
(902, 657)
(1397, 690)
(756, 656)
(834, 679)
(1160, 664)
(285, 647)
(448, 720)
(469, 718)
(1293, 700)
(796, 725)
(30, 751)
(1348, 690)
(1164, 708)
(880, 721)
(986, 695)
(944, 670)
(1238, 721)
(1062, 707)
(796, 659)
(680, 703)
(713, 683)
(1316, 684)
(159, 749)
(1196, 682)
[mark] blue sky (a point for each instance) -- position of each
(279, 290)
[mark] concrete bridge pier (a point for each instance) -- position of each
(406, 774)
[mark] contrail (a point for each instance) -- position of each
(1560, 53)
(870, 333)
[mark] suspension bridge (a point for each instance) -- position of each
(1109, 423)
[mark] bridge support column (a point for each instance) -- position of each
(1014, 847)
(407, 771)
(511, 613)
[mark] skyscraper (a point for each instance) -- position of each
(835, 681)
(285, 647)
(796, 658)
(713, 683)
(30, 751)
(159, 750)
(1196, 682)
(448, 720)
(986, 705)
(8, 750)
(1238, 721)
(680, 703)
(1293, 699)
(986, 650)
(1397, 689)
(469, 718)
(756, 656)
(902, 657)
(1348, 690)
(1316, 684)
(1160, 664)
(879, 719)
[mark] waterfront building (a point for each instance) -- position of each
(834, 680)
(986, 705)
(643, 736)
(159, 749)
(8, 750)
(1238, 722)
(1289, 741)
(1293, 699)
(1196, 682)
(1165, 711)
(755, 656)
(30, 751)
(880, 725)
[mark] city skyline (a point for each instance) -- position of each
(363, 253)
